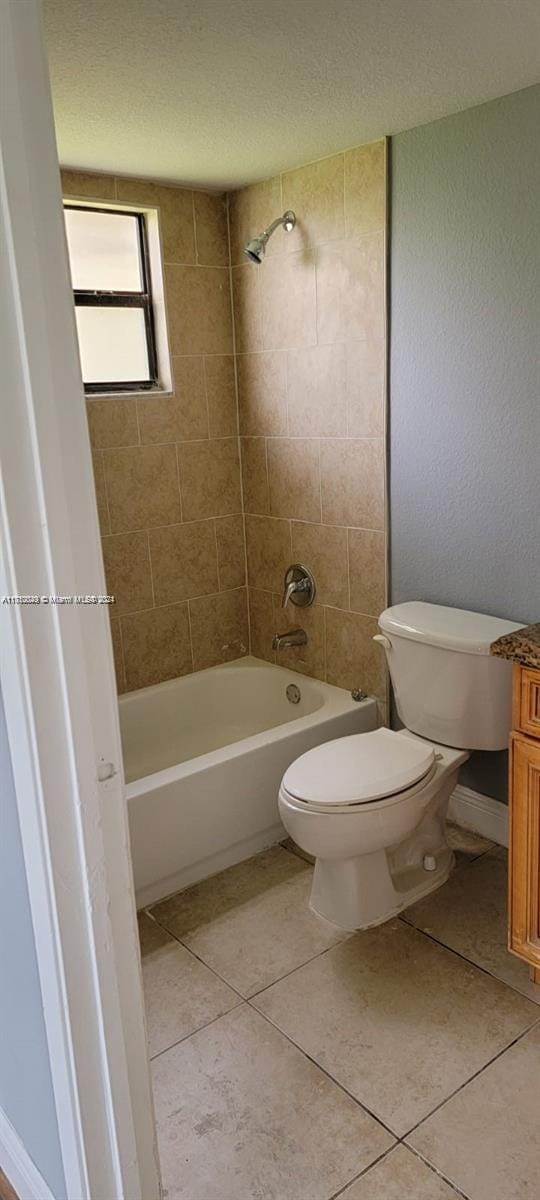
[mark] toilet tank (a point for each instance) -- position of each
(446, 684)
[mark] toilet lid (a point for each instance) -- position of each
(358, 768)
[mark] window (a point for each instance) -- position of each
(110, 273)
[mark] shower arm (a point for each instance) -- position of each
(268, 232)
(288, 218)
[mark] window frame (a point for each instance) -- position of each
(121, 299)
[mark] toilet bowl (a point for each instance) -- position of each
(371, 808)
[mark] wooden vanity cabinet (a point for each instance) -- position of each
(524, 821)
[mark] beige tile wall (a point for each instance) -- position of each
(310, 327)
(167, 467)
(183, 501)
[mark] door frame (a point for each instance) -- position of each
(56, 667)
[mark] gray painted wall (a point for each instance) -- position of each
(464, 382)
(26, 1093)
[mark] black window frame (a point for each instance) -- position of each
(113, 299)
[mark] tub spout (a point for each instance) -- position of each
(295, 637)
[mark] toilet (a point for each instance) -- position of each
(371, 808)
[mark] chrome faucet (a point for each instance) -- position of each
(299, 586)
(295, 637)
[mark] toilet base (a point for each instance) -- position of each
(359, 893)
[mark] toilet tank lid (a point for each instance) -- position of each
(451, 628)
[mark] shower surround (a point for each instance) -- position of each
(310, 339)
(285, 462)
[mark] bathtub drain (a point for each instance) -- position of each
(293, 694)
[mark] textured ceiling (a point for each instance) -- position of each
(224, 92)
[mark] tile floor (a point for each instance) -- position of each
(293, 1061)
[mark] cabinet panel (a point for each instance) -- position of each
(527, 701)
(524, 869)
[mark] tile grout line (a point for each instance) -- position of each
(391, 1150)
(220, 589)
(195, 246)
(235, 512)
(397, 1140)
(436, 1171)
(190, 631)
(221, 437)
(177, 939)
(466, 1083)
(179, 485)
(209, 438)
(253, 996)
(470, 962)
(344, 341)
(104, 470)
(137, 398)
(149, 551)
(137, 612)
(365, 1171)
(261, 991)
(325, 1071)
(267, 469)
(192, 441)
(199, 1029)
(173, 524)
(348, 551)
(238, 436)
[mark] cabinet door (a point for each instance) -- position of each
(524, 870)
(526, 701)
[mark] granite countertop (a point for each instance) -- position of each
(522, 647)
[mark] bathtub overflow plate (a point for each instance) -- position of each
(293, 694)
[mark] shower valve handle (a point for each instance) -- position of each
(299, 586)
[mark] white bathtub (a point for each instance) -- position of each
(203, 758)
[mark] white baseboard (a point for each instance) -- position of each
(18, 1167)
(482, 814)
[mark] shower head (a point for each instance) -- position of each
(255, 249)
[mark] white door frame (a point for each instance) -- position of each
(56, 667)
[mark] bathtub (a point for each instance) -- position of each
(203, 759)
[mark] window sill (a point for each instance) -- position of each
(161, 393)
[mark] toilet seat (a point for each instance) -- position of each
(357, 770)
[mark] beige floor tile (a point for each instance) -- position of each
(486, 1139)
(180, 993)
(242, 1115)
(251, 923)
(397, 1020)
(399, 1176)
(294, 849)
(469, 914)
(466, 845)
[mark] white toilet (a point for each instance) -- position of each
(371, 807)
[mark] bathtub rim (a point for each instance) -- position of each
(336, 701)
